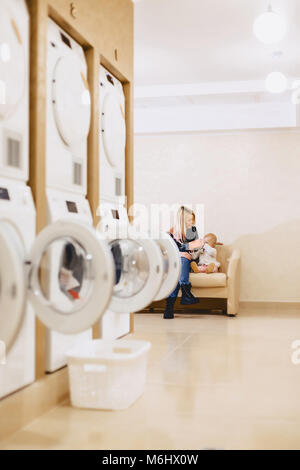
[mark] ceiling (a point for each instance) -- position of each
(191, 41)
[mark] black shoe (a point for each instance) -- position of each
(169, 311)
(187, 297)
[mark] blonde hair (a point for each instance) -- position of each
(211, 236)
(179, 229)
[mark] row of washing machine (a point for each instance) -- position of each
(70, 276)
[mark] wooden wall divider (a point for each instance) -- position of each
(37, 146)
(105, 30)
(93, 145)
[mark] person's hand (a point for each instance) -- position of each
(186, 255)
(197, 244)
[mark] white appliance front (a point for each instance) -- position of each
(138, 269)
(172, 266)
(75, 208)
(17, 234)
(112, 138)
(68, 112)
(14, 78)
(82, 289)
(68, 123)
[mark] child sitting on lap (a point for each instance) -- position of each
(208, 256)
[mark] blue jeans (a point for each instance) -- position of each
(184, 276)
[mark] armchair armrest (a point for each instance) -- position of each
(233, 282)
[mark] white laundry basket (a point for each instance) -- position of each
(107, 374)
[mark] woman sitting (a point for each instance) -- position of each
(185, 235)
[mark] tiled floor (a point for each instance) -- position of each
(213, 382)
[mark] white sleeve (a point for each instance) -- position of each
(210, 251)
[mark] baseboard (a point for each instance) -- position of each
(22, 407)
(269, 305)
(204, 305)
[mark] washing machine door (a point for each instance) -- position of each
(172, 266)
(138, 274)
(12, 284)
(113, 129)
(71, 277)
(12, 63)
(71, 100)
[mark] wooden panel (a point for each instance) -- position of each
(105, 24)
(21, 408)
(129, 156)
(92, 57)
(38, 78)
(37, 163)
(131, 322)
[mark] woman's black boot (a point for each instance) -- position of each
(187, 297)
(169, 311)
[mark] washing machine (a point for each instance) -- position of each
(171, 266)
(68, 112)
(115, 219)
(145, 269)
(82, 276)
(17, 229)
(16, 206)
(68, 123)
(67, 273)
(67, 207)
(14, 73)
(112, 138)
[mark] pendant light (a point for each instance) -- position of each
(276, 82)
(270, 27)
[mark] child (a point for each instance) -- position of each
(208, 256)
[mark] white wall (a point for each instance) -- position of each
(249, 183)
(214, 117)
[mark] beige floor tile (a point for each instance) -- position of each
(213, 382)
(168, 338)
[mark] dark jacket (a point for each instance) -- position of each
(191, 235)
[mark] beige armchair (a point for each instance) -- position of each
(223, 285)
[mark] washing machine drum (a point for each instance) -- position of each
(71, 100)
(13, 67)
(113, 130)
(72, 277)
(138, 274)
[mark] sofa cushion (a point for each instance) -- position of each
(208, 280)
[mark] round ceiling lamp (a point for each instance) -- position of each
(269, 28)
(276, 82)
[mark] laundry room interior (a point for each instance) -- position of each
(149, 225)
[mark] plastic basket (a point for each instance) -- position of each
(107, 374)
